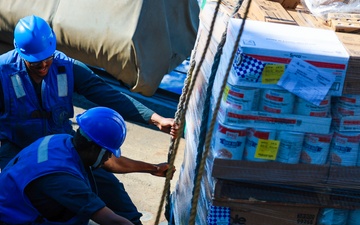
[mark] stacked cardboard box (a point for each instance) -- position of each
(268, 11)
(352, 44)
(344, 22)
(253, 203)
(302, 17)
(323, 177)
(302, 190)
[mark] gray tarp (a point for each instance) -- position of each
(137, 42)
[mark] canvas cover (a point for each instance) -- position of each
(137, 42)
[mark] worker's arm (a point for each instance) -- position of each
(95, 89)
(107, 217)
(126, 165)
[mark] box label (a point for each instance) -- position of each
(306, 81)
(267, 149)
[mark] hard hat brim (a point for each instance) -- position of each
(116, 153)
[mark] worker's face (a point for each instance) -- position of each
(40, 69)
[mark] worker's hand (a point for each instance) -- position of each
(174, 131)
(162, 169)
(169, 126)
(166, 125)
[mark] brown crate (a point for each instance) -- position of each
(305, 19)
(318, 176)
(272, 215)
(344, 176)
(270, 172)
(232, 192)
(344, 26)
(251, 214)
(344, 17)
(351, 43)
(260, 193)
(268, 11)
(251, 209)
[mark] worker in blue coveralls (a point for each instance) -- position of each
(37, 86)
(47, 182)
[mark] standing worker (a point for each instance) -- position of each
(37, 86)
(47, 182)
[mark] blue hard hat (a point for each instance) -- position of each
(34, 39)
(105, 127)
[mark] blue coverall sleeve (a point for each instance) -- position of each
(96, 90)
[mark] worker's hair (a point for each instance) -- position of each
(81, 141)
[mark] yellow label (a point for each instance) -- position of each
(272, 73)
(267, 149)
(226, 92)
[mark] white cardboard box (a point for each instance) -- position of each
(346, 123)
(284, 122)
(279, 43)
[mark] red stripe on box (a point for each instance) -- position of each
(287, 61)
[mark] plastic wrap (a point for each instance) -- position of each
(304, 163)
(322, 7)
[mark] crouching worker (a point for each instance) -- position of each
(47, 182)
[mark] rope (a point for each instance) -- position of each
(181, 112)
(174, 144)
(182, 108)
(201, 156)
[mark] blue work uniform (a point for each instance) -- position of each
(24, 119)
(47, 157)
(85, 83)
